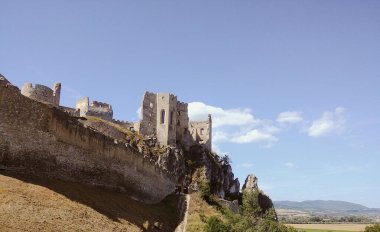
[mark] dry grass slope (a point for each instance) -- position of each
(197, 208)
(38, 204)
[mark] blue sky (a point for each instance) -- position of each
(293, 85)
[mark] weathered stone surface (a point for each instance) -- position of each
(43, 93)
(250, 183)
(2, 78)
(47, 141)
(232, 205)
(264, 201)
(166, 118)
(95, 108)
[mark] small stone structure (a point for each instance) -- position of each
(98, 109)
(166, 118)
(43, 93)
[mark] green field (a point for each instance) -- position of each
(329, 227)
(315, 230)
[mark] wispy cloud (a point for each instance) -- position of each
(221, 117)
(328, 123)
(235, 125)
(290, 117)
(245, 165)
(289, 165)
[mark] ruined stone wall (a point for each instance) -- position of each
(97, 109)
(45, 140)
(82, 105)
(182, 122)
(43, 93)
(166, 118)
(201, 132)
(147, 124)
(71, 111)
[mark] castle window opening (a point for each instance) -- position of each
(178, 123)
(162, 116)
(202, 131)
(171, 118)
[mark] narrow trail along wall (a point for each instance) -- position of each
(46, 141)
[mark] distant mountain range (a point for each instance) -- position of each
(327, 207)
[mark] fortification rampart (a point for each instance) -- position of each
(43, 93)
(95, 108)
(163, 116)
(201, 132)
(45, 140)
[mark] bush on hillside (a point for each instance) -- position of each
(374, 228)
(214, 224)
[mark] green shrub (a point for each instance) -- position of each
(214, 224)
(374, 228)
(205, 191)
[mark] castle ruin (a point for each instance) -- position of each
(95, 108)
(87, 150)
(166, 118)
(43, 93)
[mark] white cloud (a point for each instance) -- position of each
(221, 117)
(290, 117)
(234, 125)
(330, 122)
(289, 165)
(255, 135)
(245, 165)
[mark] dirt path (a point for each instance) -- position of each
(184, 211)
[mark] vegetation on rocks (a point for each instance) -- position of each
(251, 217)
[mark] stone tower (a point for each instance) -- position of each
(43, 93)
(166, 118)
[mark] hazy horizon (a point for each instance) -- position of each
(293, 86)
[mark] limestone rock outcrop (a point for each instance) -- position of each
(250, 183)
(264, 200)
(204, 166)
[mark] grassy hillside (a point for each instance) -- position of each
(38, 204)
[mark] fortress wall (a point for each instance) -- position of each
(45, 140)
(71, 111)
(201, 131)
(101, 110)
(147, 125)
(166, 118)
(82, 105)
(43, 93)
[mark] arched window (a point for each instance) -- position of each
(202, 131)
(162, 117)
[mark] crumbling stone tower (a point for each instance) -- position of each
(95, 108)
(43, 93)
(166, 118)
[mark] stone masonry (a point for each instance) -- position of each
(40, 138)
(43, 93)
(95, 108)
(166, 118)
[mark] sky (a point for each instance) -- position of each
(293, 86)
